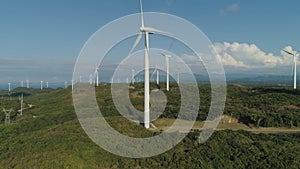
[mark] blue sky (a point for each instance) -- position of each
(42, 39)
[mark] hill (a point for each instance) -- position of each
(49, 135)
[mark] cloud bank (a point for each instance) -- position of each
(249, 56)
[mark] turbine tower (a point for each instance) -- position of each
(66, 84)
(47, 85)
(8, 86)
(91, 79)
(97, 76)
(157, 75)
(72, 83)
(294, 66)
(41, 85)
(146, 31)
(22, 83)
(167, 70)
(27, 84)
(132, 76)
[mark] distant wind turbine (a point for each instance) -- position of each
(22, 83)
(97, 76)
(91, 79)
(167, 69)
(294, 66)
(41, 85)
(132, 76)
(8, 86)
(27, 83)
(145, 31)
(47, 85)
(72, 83)
(156, 70)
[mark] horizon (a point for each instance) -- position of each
(37, 43)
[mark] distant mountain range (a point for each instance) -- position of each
(245, 79)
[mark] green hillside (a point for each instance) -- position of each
(49, 135)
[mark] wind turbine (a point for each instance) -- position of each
(72, 83)
(167, 70)
(91, 79)
(132, 76)
(47, 85)
(146, 31)
(97, 76)
(157, 74)
(27, 81)
(66, 84)
(8, 86)
(41, 85)
(294, 66)
(22, 83)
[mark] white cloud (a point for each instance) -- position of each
(230, 8)
(249, 56)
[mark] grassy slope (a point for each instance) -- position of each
(55, 139)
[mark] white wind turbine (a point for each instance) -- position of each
(97, 76)
(72, 84)
(146, 31)
(9, 87)
(157, 75)
(132, 76)
(22, 83)
(27, 83)
(167, 70)
(91, 79)
(47, 85)
(41, 85)
(156, 70)
(294, 66)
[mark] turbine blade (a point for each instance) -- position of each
(141, 11)
(147, 43)
(153, 30)
(138, 39)
(165, 55)
(153, 72)
(287, 52)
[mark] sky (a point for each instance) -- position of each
(40, 40)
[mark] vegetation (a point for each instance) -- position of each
(49, 135)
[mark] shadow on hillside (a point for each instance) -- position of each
(274, 90)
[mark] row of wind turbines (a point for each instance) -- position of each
(146, 31)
